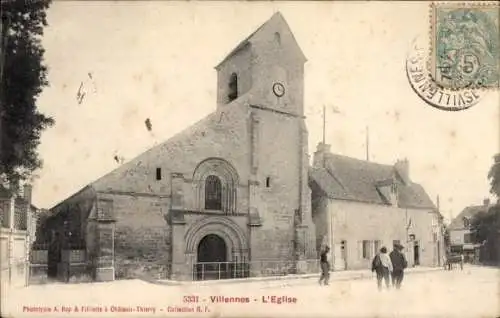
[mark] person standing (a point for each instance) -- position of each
(399, 264)
(382, 266)
(325, 266)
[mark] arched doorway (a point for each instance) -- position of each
(212, 248)
(212, 258)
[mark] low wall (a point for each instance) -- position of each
(14, 263)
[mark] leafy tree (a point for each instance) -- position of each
(23, 77)
(486, 227)
(494, 177)
(486, 224)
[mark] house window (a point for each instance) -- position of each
(394, 188)
(233, 87)
(467, 238)
(466, 222)
(213, 193)
(366, 249)
(158, 173)
(268, 182)
(377, 245)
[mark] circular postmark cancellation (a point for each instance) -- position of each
(465, 45)
(429, 90)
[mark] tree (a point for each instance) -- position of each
(23, 77)
(486, 224)
(494, 177)
(486, 227)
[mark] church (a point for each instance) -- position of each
(234, 195)
(227, 197)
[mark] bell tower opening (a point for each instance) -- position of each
(233, 88)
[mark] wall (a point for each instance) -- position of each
(141, 235)
(457, 236)
(355, 222)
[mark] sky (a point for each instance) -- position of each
(138, 60)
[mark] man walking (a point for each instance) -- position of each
(382, 265)
(399, 265)
(325, 266)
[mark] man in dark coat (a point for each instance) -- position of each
(325, 266)
(399, 264)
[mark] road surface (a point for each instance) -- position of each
(473, 292)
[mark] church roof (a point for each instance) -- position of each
(248, 39)
(351, 179)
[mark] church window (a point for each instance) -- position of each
(213, 193)
(158, 173)
(233, 87)
(268, 182)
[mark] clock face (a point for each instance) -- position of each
(278, 89)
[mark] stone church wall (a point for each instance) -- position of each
(141, 244)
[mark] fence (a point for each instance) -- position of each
(261, 268)
(38, 271)
(67, 265)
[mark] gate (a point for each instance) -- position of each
(220, 270)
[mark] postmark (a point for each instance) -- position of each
(465, 45)
(431, 92)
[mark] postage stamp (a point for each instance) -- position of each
(465, 45)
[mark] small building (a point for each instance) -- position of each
(17, 233)
(461, 233)
(359, 206)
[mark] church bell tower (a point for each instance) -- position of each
(264, 75)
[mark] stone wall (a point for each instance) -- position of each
(141, 243)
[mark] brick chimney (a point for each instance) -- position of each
(403, 169)
(27, 192)
(486, 202)
(322, 150)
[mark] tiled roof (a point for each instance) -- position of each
(346, 178)
(469, 212)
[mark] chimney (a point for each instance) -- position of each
(486, 202)
(27, 190)
(403, 169)
(322, 150)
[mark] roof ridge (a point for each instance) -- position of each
(362, 160)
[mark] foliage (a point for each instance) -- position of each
(494, 177)
(23, 78)
(486, 224)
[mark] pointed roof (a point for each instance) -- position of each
(275, 17)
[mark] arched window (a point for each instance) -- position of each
(233, 87)
(213, 193)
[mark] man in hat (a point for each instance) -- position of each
(325, 266)
(399, 264)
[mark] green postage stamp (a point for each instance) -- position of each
(465, 45)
